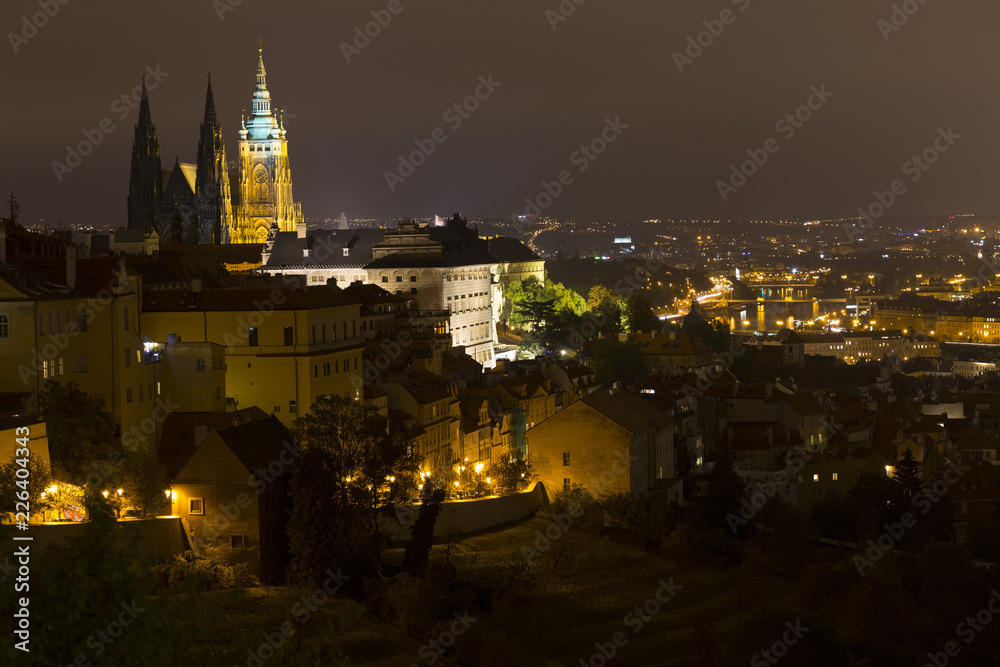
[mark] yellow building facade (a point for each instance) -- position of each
(283, 347)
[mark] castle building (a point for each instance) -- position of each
(204, 203)
(442, 268)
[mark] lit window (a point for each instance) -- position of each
(816, 478)
(835, 477)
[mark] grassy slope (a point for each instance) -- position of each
(556, 619)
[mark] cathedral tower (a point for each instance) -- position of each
(265, 195)
(213, 200)
(146, 180)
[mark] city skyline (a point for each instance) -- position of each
(674, 124)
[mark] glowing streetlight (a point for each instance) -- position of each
(104, 493)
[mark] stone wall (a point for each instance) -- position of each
(153, 538)
(468, 516)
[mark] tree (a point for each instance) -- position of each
(871, 499)
(417, 553)
(725, 492)
(143, 481)
(637, 315)
(80, 432)
(906, 480)
(351, 472)
(835, 517)
(612, 361)
(715, 334)
(519, 294)
(599, 295)
(563, 298)
(28, 488)
(512, 473)
(938, 524)
(539, 320)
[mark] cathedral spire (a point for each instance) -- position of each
(213, 199)
(210, 116)
(145, 184)
(145, 118)
(262, 123)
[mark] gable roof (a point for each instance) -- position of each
(618, 411)
(181, 432)
(257, 443)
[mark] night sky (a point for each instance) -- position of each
(347, 122)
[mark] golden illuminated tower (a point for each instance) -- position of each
(265, 183)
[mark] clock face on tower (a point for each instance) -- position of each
(261, 176)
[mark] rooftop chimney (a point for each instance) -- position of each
(300, 229)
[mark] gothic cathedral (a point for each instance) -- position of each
(204, 203)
